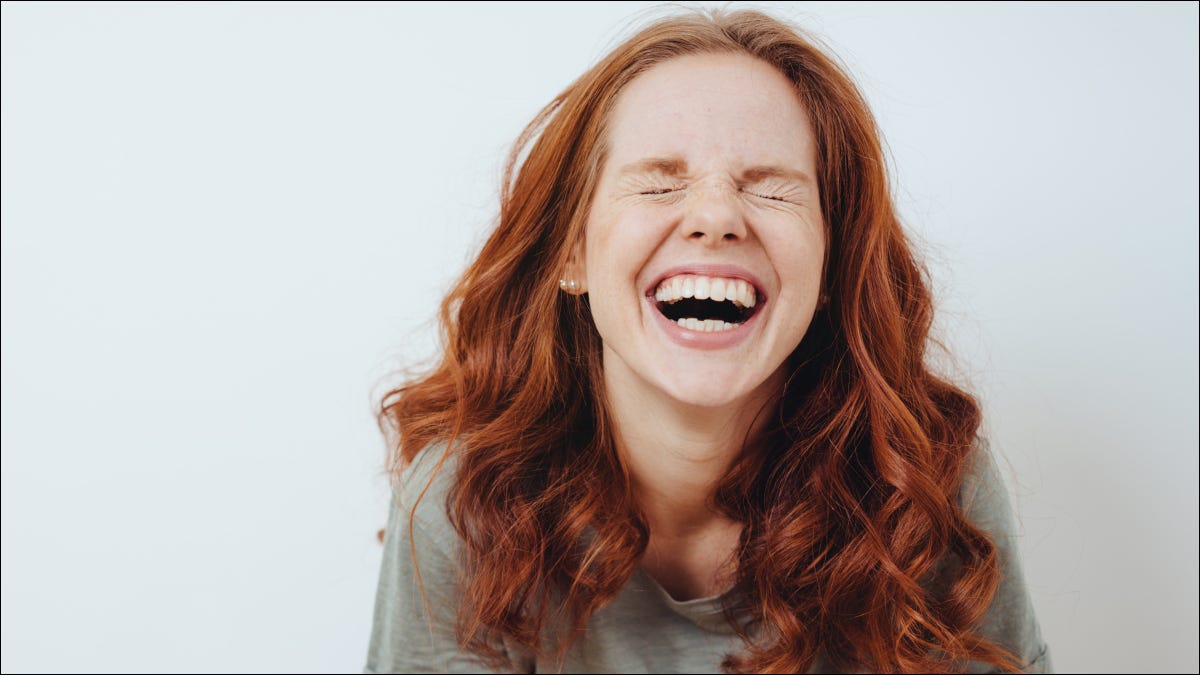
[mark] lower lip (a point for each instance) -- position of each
(717, 339)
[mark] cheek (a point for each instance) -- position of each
(617, 247)
(799, 262)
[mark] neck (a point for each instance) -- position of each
(677, 453)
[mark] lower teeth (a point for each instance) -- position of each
(707, 325)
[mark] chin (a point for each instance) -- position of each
(711, 392)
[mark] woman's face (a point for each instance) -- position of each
(704, 243)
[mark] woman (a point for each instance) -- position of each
(683, 421)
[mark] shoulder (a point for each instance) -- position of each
(1010, 619)
(421, 492)
(982, 493)
(417, 599)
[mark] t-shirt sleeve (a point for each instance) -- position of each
(1010, 619)
(414, 632)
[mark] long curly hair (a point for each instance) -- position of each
(849, 505)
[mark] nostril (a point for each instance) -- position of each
(730, 236)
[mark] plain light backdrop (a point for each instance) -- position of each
(225, 224)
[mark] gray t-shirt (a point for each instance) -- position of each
(644, 629)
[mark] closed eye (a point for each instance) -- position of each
(774, 198)
(658, 191)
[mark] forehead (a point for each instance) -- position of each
(710, 108)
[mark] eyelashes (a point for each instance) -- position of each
(774, 198)
(666, 191)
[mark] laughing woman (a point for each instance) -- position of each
(683, 420)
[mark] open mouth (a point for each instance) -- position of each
(707, 304)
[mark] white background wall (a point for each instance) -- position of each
(224, 224)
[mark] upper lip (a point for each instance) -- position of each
(710, 270)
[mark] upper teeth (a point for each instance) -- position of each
(736, 291)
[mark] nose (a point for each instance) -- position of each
(712, 215)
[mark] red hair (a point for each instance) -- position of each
(849, 506)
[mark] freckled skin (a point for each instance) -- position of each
(721, 115)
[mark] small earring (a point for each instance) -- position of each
(570, 286)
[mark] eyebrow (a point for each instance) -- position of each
(677, 166)
(757, 173)
(670, 166)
